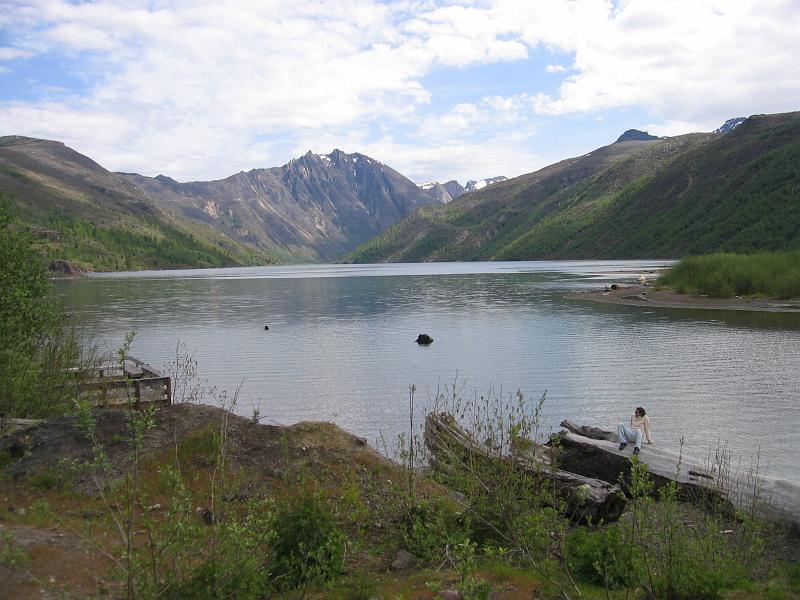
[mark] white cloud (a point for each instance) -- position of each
(200, 89)
(56, 121)
(685, 60)
(461, 161)
(7, 53)
(672, 127)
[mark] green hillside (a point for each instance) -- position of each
(80, 212)
(691, 194)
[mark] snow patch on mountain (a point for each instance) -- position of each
(730, 125)
(475, 185)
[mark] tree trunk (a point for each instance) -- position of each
(453, 450)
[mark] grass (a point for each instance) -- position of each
(766, 274)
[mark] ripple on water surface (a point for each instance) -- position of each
(340, 346)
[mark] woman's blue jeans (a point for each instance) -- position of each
(628, 434)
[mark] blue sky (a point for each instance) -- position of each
(438, 89)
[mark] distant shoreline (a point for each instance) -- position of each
(637, 295)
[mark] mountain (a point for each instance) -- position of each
(730, 125)
(79, 211)
(445, 192)
(316, 207)
(451, 190)
(634, 135)
(473, 185)
(667, 198)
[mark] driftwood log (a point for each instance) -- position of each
(717, 478)
(594, 433)
(453, 448)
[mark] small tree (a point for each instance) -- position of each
(34, 344)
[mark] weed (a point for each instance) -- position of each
(47, 480)
(601, 556)
(12, 555)
(427, 526)
(672, 560)
(202, 446)
(360, 586)
(470, 586)
(6, 458)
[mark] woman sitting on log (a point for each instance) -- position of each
(640, 424)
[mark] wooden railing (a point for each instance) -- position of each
(135, 383)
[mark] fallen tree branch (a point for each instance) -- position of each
(453, 449)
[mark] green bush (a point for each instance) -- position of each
(219, 580)
(427, 526)
(678, 562)
(309, 546)
(601, 556)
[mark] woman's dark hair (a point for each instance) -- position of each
(641, 411)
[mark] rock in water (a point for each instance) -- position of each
(424, 339)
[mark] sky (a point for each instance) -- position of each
(437, 89)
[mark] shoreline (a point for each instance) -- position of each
(637, 295)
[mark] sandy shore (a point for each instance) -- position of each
(636, 295)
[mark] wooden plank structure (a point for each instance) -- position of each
(114, 385)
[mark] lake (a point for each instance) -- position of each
(340, 347)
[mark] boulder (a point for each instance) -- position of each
(64, 268)
(402, 560)
(423, 339)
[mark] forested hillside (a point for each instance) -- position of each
(689, 194)
(79, 211)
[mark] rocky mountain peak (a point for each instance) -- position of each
(636, 135)
(730, 125)
(474, 185)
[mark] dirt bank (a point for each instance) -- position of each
(65, 551)
(636, 295)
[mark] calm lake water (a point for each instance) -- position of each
(341, 346)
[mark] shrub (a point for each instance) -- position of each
(601, 556)
(427, 526)
(677, 562)
(309, 546)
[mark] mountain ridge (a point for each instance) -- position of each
(84, 213)
(314, 207)
(620, 200)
